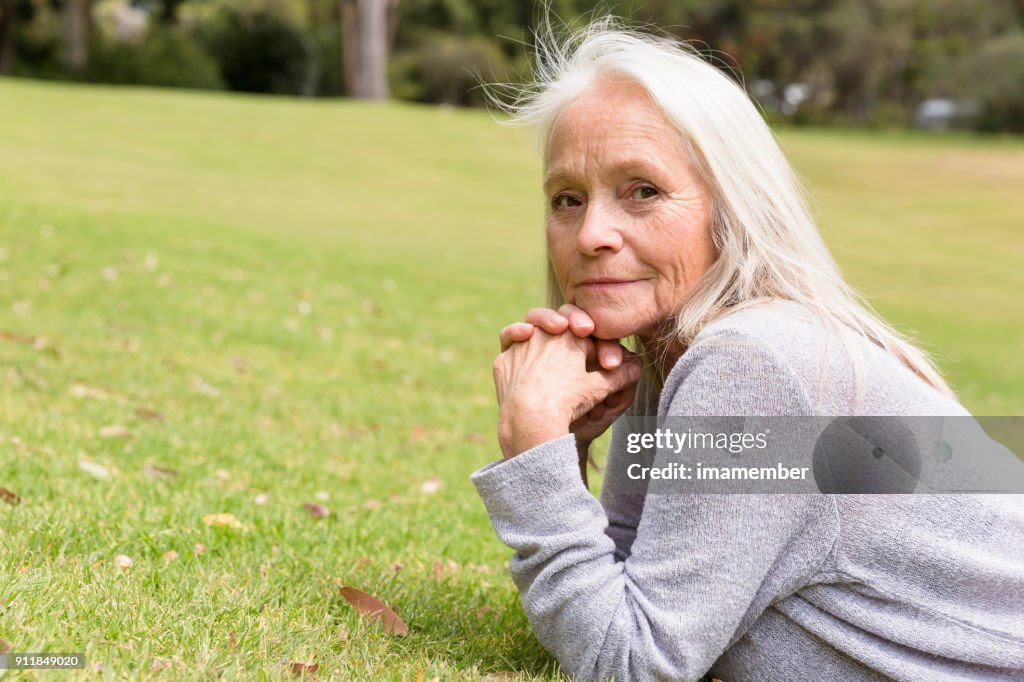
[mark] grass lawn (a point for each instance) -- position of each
(217, 304)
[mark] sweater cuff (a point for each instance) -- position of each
(538, 477)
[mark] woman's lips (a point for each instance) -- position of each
(605, 284)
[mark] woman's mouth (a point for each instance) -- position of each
(605, 283)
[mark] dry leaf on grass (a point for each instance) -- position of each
(157, 471)
(9, 496)
(440, 570)
(430, 486)
(299, 669)
(200, 385)
(317, 511)
(224, 520)
(5, 646)
(169, 556)
(84, 391)
(115, 431)
(376, 610)
(123, 562)
(199, 548)
(149, 413)
(93, 469)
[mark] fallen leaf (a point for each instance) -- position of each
(199, 548)
(317, 511)
(123, 562)
(93, 469)
(430, 486)
(115, 431)
(376, 610)
(200, 385)
(261, 499)
(440, 570)
(11, 336)
(9, 497)
(299, 669)
(223, 519)
(83, 391)
(157, 471)
(169, 556)
(5, 646)
(149, 413)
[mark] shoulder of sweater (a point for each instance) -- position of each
(748, 360)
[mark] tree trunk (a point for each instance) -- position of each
(6, 37)
(367, 34)
(77, 20)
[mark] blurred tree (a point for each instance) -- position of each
(168, 11)
(367, 36)
(76, 19)
(7, 25)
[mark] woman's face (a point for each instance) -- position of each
(628, 224)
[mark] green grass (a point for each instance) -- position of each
(309, 293)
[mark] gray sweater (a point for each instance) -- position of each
(769, 586)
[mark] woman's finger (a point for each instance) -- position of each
(547, 319)
(515, 333)
(580, 323)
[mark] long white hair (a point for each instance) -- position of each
(768, 245)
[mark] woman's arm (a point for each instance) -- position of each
(702, 567)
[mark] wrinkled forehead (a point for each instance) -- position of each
(612, 127)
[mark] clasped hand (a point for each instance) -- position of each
(553, 378)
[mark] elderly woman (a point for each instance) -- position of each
(674, 221)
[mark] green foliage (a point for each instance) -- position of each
(165, 55)
(993, 76)
(448, 69)
(261, 52)
(864, 63)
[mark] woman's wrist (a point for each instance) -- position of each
(520, 431)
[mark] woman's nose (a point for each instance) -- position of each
(600, 230)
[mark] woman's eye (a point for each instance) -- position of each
(558, 203)
(638, 192)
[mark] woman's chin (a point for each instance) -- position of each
(613, 326)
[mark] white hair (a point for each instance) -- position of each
(768, 245)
